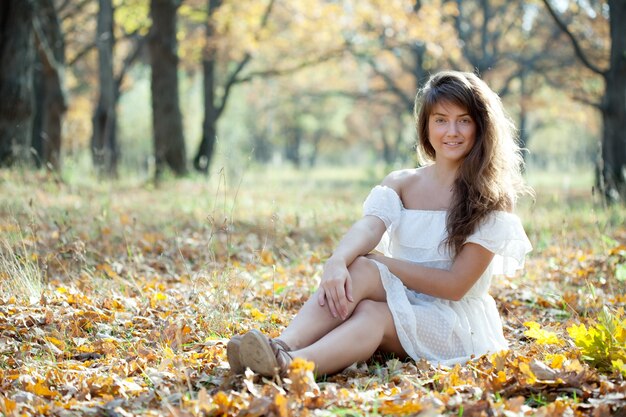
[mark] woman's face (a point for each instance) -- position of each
(451, 132)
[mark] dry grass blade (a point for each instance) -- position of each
(20, 275)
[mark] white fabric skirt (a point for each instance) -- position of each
(441, 331)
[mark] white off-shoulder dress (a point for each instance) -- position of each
(443, 331)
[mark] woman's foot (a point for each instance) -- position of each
(264, 356)
(233, 352)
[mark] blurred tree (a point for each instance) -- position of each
(104, 134)
(17, 55)
(400, 42)
(103, 40)
(50, 96)
(598, 35)
(214, 105)
(260, 39)
(169, 143)
(507, 44)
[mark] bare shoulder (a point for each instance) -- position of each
(399, 180)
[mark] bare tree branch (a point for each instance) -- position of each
(408, 101)
(80, 55)
(232, 81)
(71, 11)
(232, 78)
(371, 96)
(290, 70)
(579, 52)
(558, 85)
(42, 43)
(139, 43)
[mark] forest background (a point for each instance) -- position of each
(175, 172)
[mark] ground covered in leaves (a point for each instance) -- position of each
(118, 299)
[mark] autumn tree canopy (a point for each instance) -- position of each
(235, 62)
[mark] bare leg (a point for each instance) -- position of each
(371, 324)
(313, 321)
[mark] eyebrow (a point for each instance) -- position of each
(442, 114)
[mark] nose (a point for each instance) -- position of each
(452, 129)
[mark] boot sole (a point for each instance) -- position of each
(233, 348)
(257, 354)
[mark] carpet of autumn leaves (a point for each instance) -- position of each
(141, 287)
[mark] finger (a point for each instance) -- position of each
(321, 297)
(332, 305)
(349, 289)
(342, 303)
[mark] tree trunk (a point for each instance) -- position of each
(204, 156)
(169, 143)
(292, 146)
(315, 147)
(202, 160)
(523, 113)
(50, 96)
(614, 107)
(17, 53)
(388, 156)
(262, 147)
(103, 140)
(38, 111)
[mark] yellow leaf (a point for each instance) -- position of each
(302, 365)
(157, 299)
(257, 315)
(168, 353)
(526, 371)
(400, 408)
(280, 405)
(501, 377)
(223, 402)
(41, 390)
(7, 405)
(125, 219)
(543, 337)
(56, 342)
(556, 360)
(267, 258)
(498, 359)
(619, 366)
(574, 366)
(578, 333)
(302, 378)
(108, 270)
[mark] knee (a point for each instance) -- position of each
(379, 317)
(367, 309)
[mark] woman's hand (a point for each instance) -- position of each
(335, 289)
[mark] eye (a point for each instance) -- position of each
(466, 121)
(439, 120)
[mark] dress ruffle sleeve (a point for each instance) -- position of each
(503, 234)
(384, 203)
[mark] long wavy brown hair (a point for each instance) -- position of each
(489, 178)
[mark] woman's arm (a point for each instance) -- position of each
(336, 284)
(361, 239)
(451, 284)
